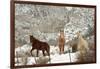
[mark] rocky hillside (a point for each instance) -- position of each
(44, 22)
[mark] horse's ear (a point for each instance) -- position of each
(30, 36)
(61, 30)
(77, 33)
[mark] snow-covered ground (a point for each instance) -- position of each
(63, 58)
(55, 57)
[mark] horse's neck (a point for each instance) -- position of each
(61, 35)
(34, 41)
(61, 38)
(80, 38)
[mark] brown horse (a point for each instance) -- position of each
(61, 42)
(39, 45)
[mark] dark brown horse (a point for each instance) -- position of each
(39, 45)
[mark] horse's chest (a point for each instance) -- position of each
(61, 39)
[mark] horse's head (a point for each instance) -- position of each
(78, 34)
(32, 39)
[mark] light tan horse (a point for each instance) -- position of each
(82, 46)
(61, 42)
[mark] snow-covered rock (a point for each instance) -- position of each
(63, 58)
(22, 51)
(31, 61)
(57, 58)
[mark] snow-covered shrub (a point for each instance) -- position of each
(42, 60)
(73, 44)
(86, 57)
(22, 51)
(21, 61)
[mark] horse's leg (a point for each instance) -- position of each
(62, 49)
(48, 52)
(43, 51)
(59, 49)
(37, 52)
(31, 51)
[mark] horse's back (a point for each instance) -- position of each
(41, 45)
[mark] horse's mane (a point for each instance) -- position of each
(35, 39)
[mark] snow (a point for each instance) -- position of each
(57, 58)
(31, 60)
(63, 58)
(55, 49)
(22, 50)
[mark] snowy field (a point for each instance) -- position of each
(23, 56)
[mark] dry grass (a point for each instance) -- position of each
(86, 57)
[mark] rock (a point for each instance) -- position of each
(22, 51)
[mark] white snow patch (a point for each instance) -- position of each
(55, 57)
(63, 58)
(31, 60)
(21, 51)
